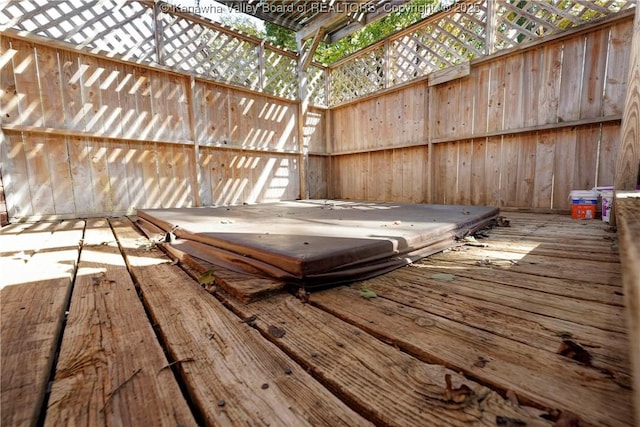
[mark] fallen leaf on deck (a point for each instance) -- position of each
(567, 419)
(443, 276)
(275, 332)
(574, 351)
(367, 293)
(502, 222)
(207, 278)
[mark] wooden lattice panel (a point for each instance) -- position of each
(457, 37)
(361, 75)
(317, 85)
(117, 27)
(215, 54)
(280, 74)
(518, 21)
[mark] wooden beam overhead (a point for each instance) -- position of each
(335, 12)
(307, 56)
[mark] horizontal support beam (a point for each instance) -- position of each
(83, 134)
(92, 135)
(506, 132)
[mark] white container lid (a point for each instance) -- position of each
(583, 194)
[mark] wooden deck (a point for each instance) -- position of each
(100, 327)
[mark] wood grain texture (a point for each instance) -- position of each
(35, 288)
(626, 177)
(110, 359)
(525, 314)
(237, 356)
(372, 374)
(628, 162)
(627, 209)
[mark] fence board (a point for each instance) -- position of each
(83, 188)
(478, 167)
(509, 170)
(37, 156)
(50, 87)
(572, 81)
(60, 168)
(9, 95)
(526, 169)
(609, 149)
(544, 162)
(591, 104)
(26, 82)
(563, 168)
(617, 68)
(15, 176)
(587, 142)
(548, 91)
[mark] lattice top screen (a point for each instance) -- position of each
(142, 32)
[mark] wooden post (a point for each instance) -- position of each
(628, 163)
(303, 107)
(430, 132)
(194, 137)
(626, 178)
(490, 30)
(157, 33)
(261, 63)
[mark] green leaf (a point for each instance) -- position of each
(443, 276)
(367, 293)
(207, 278)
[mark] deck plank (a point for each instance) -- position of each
(232, 374)
(591, 313)
(524, 324)
(370, 373)
(35, 284)
(111, 369)
(627, 207)
(535, 375)
(570, 288)
(588, 271)
(512, 318)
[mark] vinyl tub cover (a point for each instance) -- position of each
(315, 242)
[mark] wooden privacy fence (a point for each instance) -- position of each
(521, 130)
(116, 105)
(458, 34)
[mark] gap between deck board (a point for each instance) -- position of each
(223, 358)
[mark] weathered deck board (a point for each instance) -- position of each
(525, 323)
(234, 376)
(591, 313)
(534, 375)
(370, 373)
(576, 289)
(627, 217)
(589, 271)
(110, 359)
(35, 285)
(512, 320)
